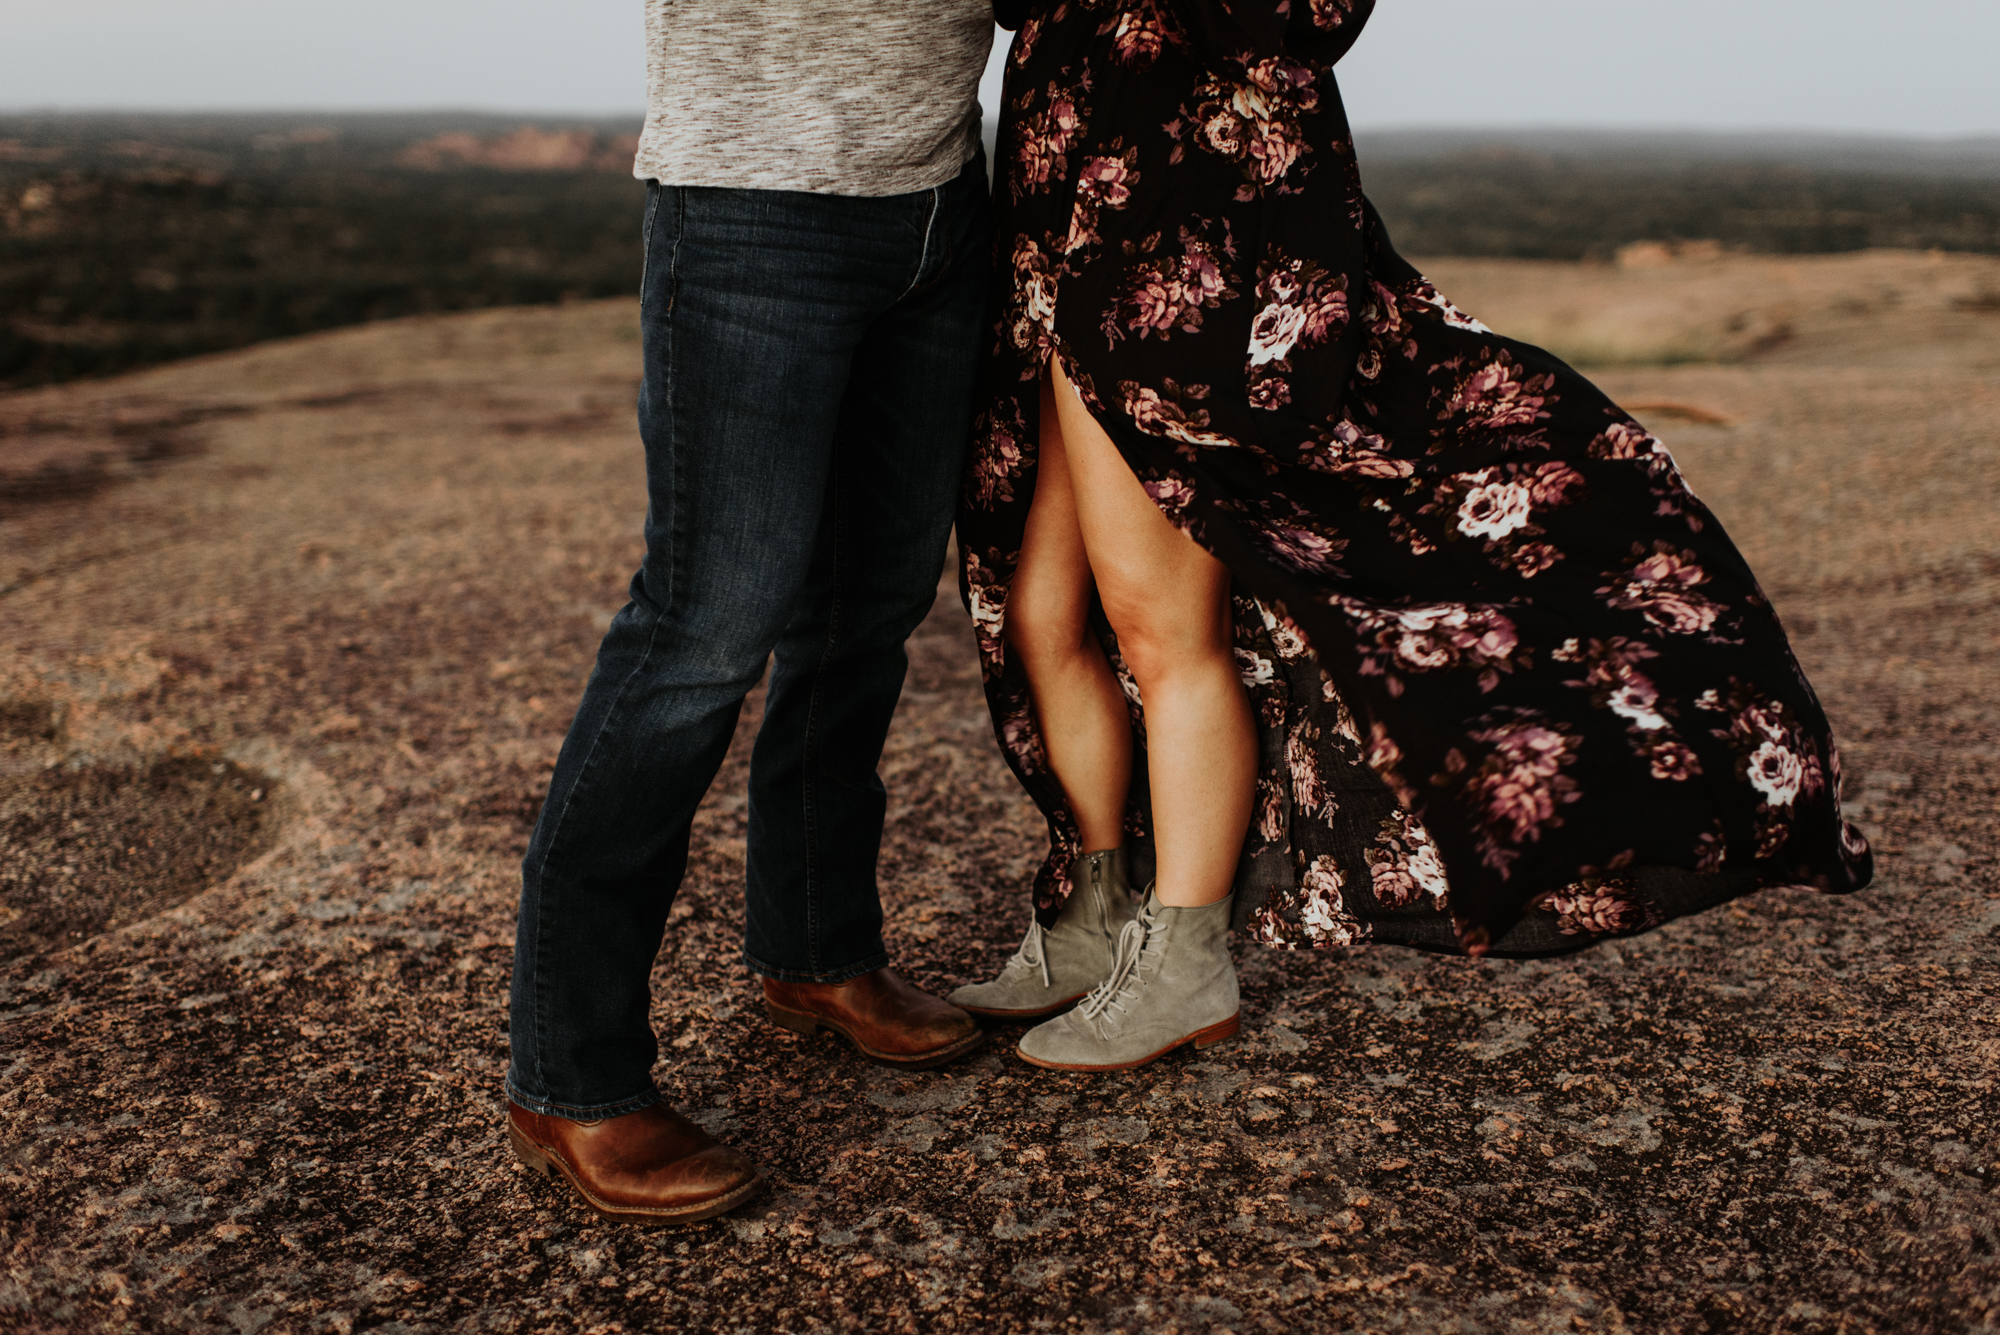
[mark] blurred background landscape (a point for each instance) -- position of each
(128, 239)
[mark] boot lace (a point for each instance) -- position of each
(1139, 944)
(1033, 953)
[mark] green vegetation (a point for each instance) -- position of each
(126, 243)
(109, 273)
(1544, 207)
(127, 240)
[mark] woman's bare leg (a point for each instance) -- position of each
(1168, 601)
(1085, 726)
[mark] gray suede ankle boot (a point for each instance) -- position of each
(1056, 966)
(1173, 983)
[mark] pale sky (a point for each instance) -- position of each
(1925, 67)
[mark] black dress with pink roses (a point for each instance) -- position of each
(1517, 691)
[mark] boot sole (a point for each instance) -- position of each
(799, 1022)
(1220, 1032)
(1040, 1013)
(538, 1160)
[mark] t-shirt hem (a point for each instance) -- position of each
(666, 170)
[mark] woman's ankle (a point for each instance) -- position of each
(1191, 899)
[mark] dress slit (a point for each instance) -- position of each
(1516, 689)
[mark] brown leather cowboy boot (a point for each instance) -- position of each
(888, 1021)
(648, 1167)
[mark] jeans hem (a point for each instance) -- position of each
(586, 1112)
(834, 977)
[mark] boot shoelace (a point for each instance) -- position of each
(1138, 942)
(1033, 954)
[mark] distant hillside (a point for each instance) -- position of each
(1568, 194)
(1976, 158)
(120, 143)
(130, 239)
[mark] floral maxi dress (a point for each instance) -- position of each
(1516, 690)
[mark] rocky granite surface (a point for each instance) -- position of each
(288, 639)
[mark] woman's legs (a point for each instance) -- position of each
(1171, 983)
(1087, 735)
(1168, 601)
(1086, 729)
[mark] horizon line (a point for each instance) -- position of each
(1364, 127)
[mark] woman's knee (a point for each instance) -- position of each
(1163, 635)
(1045, 632)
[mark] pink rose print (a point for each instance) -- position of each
(1171, 414)
(1493, 509)
(986, 597)
(1274, 333)
(1302, 544)
(1270, 821)
(1532, 558)
(1138, 31)
(1634, 701)
(996, 461)
(1023, 741)
(1432, 637)
(1595, 908)
(1309, 791)
(1030, 321)
(1385, 758)
(1043, 141)
(1776, 772)
(1323, 914)
(1549, 484)
(1774, 756)
(1331, 13)
(1345, 448)
(1660, 585)
(1626, 439)
(1404, 865)
(1169, 292)
(1496, 393)
(1499, 506)
(1172, 495)
(1257, 122)
(1613, 678)
(1025, 40)
(1105, 183)
(1672, 760)
(1269, 393)
(1505, 578)
(1711, 850)
(1254, 669)
(1385, 318)
(1286, 637)
(1774, 830)
(1515, 792)
(1304, 306)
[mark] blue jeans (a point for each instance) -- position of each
(806, 409)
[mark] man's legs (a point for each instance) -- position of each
(755, 305)
(816, 802)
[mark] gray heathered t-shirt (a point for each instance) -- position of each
(872, 97)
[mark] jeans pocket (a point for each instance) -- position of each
(646, 236)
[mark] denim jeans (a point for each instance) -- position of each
(806, 411)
